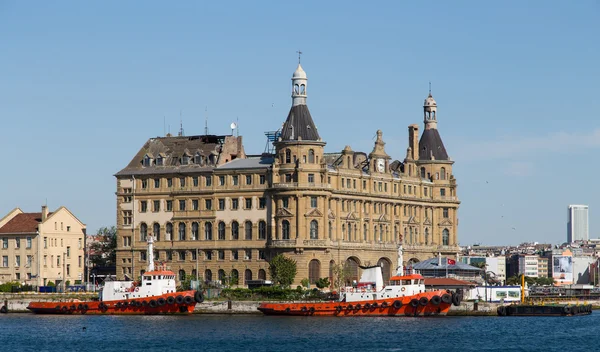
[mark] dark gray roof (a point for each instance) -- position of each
(432, 264)
(254, 162)
(299, 123)
(431, 143)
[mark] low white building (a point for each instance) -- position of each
(494, 293)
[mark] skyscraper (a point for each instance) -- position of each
(577, 225)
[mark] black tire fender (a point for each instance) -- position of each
(170, 300)
(189, 300)
(423, 301)
(436, 300)
(447, 298)
(161, 302)
(198, 297)
(153, 303)
(397, 304)
(414, 302)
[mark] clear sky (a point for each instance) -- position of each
(84, 84)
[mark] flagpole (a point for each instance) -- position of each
(446, 267)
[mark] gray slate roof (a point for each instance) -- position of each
(299, 123)
(432, 142)
(432, 264)
(251, 162)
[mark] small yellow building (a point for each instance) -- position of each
(36, 248)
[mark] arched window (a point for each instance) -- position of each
(296, 89)
(443, 173)
(194, 231)
(314, 230)
(182, 231)
(288, 156)
(143, 232)
(247, 276)
(169, 231)
(445, 237)
(330, 230)
(156, 231)
(221, 231)
(208, 275)
(208, 231)
(235, 277)
(262, 274)
(314, 271)
(311, 156)
(221, 275)
(365, 231)
(285, 230)
(248, 230)
(194, 273)
(331, 270)
(262, 230)
(302, 89)
(426, 236)
(235, 230)
(181, 275)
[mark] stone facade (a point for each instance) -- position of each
(220, 214)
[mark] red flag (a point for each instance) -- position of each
(451, 261)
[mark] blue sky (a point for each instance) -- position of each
(83, 85)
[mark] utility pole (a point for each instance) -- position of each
(64, 272)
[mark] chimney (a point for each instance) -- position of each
(413, 140)
(44, 212)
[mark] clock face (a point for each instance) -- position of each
(380, 165)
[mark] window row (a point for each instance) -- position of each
(185, 159)
(194, 204)
(224, 232)
(28, 242)
(441, 175)
(287, 157)
(222, 277)
(207, 255)
(17, 262)
(195, 181)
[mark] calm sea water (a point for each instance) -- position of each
(26, 332)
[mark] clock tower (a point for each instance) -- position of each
(379, 158)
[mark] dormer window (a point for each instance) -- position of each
(147, 161)
(185, 160)
(160, 161)
(198, 159)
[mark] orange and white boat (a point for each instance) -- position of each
(156, 294)
(404, 296)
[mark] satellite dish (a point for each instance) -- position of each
(233, 125)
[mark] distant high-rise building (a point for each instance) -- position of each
(577, 226)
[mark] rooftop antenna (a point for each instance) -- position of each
(206, 120)
(299, 53)
(164, 125)
(237, 131)
(180, 124)
(429, 87)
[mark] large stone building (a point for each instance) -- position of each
(221, 214)
(36, 248)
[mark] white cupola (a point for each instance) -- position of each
(299, 86)
(430, 112)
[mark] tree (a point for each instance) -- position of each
(341, 274)
(282, 270)
(102, 250)
(323, 282)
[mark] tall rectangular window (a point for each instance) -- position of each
(17, 243)
(28, 243)
(194, 204)
(313, 202)
(234, 180)
(208, 181)
(248, 179)
(208, 204)
(18, 260)
(182, 205)
(442, 192)
(169, 182)
(262, 203)
(143, 206)
(79, 261)
(169, 205)
(157, 183)
(445, 212)
(248, 203)
(182, 182)
(144, 184)
(68, 251)
(195, 181)
(156, 204)
(262, 179)
(221, 180)
(235, 203)
(311, 178)
(29, 261)
(221, 204)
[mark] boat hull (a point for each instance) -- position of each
(173, 303)
(381, 307)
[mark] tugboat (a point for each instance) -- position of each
(156, 294)
(404, 296)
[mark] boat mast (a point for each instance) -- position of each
(150, 253)
(400, 269)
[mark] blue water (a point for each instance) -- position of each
(27, 332)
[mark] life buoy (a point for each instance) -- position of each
(403, 289)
